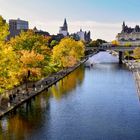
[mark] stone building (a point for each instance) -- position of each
(64, 29)
(83, 35)
(80, 35)
(40, 32)
(129, 35)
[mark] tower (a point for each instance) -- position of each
(64, 29)
(65, 25)
(123, 26)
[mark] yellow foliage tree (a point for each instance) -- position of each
(115, 42)
(3, 30)
(9, 65)
(9, 68)
(136, 53)
(128, 44)
(68, 52)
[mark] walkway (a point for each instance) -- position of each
(22, 95)
(135, 67)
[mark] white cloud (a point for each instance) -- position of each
(107, 31)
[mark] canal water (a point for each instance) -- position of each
(92, 103)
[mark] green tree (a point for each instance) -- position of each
(96, 43)
(53, 43)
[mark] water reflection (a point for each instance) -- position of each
(68, 84)
(29, 117)
(103, 57)
(98, 103)
(22, 123)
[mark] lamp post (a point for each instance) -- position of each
(26, 79)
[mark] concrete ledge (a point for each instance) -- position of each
(135, 68)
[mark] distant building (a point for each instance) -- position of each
(75, 36)
(40, 32)
(57, 37)
(87, 36)
(83, 35)
(64, 29)
(129, 35)
(16, 26)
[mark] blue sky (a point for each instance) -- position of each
(102, 17)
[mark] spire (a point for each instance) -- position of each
(65, 25)
(123, 26)
(65, 22)
(35, 29)
(124, 23)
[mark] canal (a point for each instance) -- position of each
(96, 103)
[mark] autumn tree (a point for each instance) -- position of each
(9, 65)
(136, 53)
(30, 41)
(128, 44)
(115, 43)
(3, 30)
(34, 54)
(68, 52)
(96, 43)
(9, 68)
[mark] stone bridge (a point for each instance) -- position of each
(107, 46)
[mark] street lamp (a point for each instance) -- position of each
(26, 78)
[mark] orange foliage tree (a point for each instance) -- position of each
(33, 53)
(68, 52)
(31, 61)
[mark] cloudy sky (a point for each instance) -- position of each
(103, 17)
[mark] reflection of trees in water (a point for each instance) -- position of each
(30, 116)
(26, 119)
(68, 84)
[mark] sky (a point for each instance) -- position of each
(103, 18)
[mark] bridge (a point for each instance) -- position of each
(108, 46)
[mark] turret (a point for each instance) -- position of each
(65, 25)
(123, 27)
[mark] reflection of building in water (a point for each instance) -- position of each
(129, 35)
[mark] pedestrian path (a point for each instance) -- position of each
(22, 95)
(135, 67)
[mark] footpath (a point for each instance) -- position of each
(135, 68)
(22, 94)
